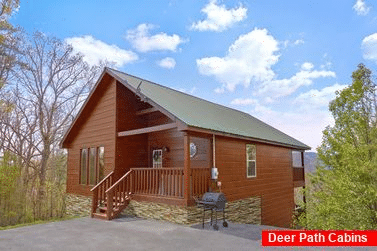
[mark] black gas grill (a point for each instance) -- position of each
(213, 202)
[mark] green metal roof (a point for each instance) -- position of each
(203, 114)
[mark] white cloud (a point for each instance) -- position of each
(246, 101)
(287, 43)
(307, 66)
(285, 87)
(168, 63)
(369, 46)
(95, 51)
(298, 42)
(141, 39)
(220, 90)
(361, 8)
(249, 58)
(319, 98)
(219, 18)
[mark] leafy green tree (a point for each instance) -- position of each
(342, 193)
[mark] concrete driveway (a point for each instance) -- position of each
(135, 234)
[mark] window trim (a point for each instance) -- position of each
(247, 161)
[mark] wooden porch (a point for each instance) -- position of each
(164, 185)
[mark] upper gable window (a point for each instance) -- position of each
(251, 167)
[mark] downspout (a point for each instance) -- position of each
(214, 170)
(214, 149)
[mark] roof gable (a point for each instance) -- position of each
(196, 112)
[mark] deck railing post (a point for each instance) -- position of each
(94, 202)
(187, 169)
(110, 202)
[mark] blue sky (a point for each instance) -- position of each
(280, 61)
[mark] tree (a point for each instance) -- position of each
(342, 194)
(49, 84)
(8, 39)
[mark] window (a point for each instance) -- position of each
(92, 165)
(251, 169)
(101, 163)
(157, 158)
(296, 159)
(83, 168)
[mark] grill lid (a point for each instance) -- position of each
(211, 200)
(214, 197)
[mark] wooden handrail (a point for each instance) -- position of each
(118, 195)
(99, 191)
(100, 183)
(119, 181)
(162, 168)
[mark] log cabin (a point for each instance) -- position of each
(137, 143)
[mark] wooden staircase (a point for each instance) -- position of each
(111, 198)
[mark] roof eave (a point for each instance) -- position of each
(220, 133)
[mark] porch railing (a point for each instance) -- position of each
(159, 181)
(169, 182)
(200, 181)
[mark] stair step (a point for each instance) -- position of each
(100, 216)
(102, 209)
(119, 201)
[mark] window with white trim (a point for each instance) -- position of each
(251, 165)
(157, 158)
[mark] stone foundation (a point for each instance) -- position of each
(247, 211)
(78, 205)
(240, 211)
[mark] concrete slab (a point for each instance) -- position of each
(133, 234)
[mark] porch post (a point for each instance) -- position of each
(303, 167)
(187, 169)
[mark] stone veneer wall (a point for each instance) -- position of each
(247, 211)
(240, 211)
(77, 205)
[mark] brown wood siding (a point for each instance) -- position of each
(173, 139)
(95, 127)
(274, 181)
(131, 151)
(203, 157)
